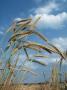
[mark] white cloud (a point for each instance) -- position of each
(60, 42)
(52, 21)
(47, 9)
(17, 19)
(48, 19)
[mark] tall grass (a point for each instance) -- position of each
(18, 42)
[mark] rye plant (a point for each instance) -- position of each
(18, 43)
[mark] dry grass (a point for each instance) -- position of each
(20, 31)
(33, 87)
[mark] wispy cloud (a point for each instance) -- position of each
(47, 9)
(60, 42)
(64, 0)
(1, 33)
(1, 30)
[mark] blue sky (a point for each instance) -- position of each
(11, 9)
(53, 22)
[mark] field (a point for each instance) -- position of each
(34, 87)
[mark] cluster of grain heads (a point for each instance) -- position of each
(18, 41)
